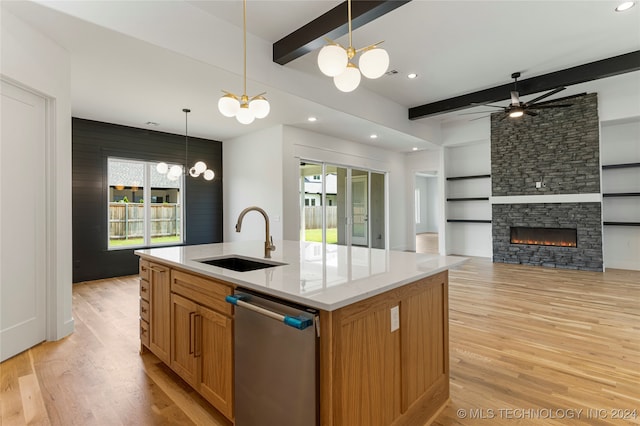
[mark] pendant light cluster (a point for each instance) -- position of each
(199, 168)
(335, 61)
(243, 108)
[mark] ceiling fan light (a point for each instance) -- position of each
(349, 80)
(162, 168)
(259, 106)
(332, 60)
(209, 174)
(516, 113)
(244, 115)
(374, 62)
(228, 105)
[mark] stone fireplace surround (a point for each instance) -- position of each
(586, 217)
(545, 172)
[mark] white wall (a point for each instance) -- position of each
(429, 201)
(35, 62)
(433, 203)
(253, 176)
(302, 144)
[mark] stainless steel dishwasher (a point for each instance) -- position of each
(276, 361)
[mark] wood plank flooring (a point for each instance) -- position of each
(527, 345)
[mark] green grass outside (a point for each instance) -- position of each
(316, 235)
(140, 241)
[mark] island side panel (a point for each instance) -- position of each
(425, 350)
(371, 375)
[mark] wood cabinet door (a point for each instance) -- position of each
(183, 339)
(159, 320)
(215, 345)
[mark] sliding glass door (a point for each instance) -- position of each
(341, 205)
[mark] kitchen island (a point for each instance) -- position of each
(383, 323)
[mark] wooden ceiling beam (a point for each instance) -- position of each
(333, 24)
(604, 68)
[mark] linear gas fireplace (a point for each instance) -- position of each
(558, 237)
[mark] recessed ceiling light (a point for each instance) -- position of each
(312, 119)
(151, 123)
(415, 148)
(412, 75)
(625, 6)
(374, 136)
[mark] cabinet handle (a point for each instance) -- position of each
(143, 268)
(142, 331)
(191, 332)
(143, 289)
(198, 336)
(143, 310)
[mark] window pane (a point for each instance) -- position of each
(126, 204)
(376, 214)
(311, 215)
(166, 208)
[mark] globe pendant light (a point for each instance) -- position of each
(335, 61)
(349, 80)
(199, 168)
(244, 108)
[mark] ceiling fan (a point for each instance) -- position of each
(517, 108)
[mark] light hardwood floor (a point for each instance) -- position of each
(526, 344)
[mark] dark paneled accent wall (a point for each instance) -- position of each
(93, 143)
(559, 147)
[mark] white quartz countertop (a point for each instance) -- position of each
(321, 276)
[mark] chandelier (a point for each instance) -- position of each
(335, 61)
(244, 108)
(199, 168)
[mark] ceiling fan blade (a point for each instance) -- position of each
(477, 112)
(553, 92)
(531, 113)
(479, 118)
(548, 106)
(487, 105)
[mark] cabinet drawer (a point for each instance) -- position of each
(144, 310)
(144, 290)
(206, 291)
(144, 333)
(143, 269)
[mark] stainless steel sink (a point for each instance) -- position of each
(240, 263)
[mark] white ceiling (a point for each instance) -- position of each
(138, 61)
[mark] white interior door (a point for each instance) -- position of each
(22, 221)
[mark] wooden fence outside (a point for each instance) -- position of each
(126, 220)
(313, 217)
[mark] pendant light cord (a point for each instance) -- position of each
(186, 138)
(244, 28)
(349, 12)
